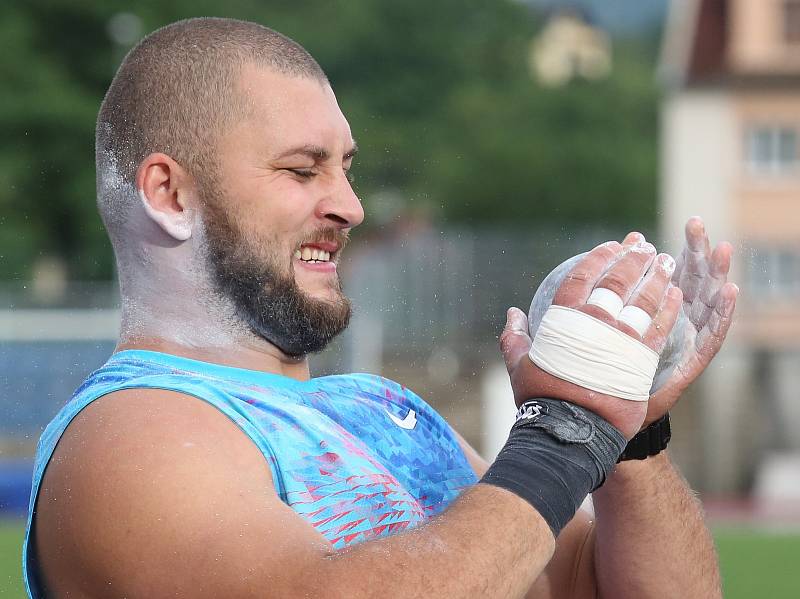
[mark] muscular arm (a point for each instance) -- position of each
(649, 539)
(570, 573)
(151, 493)
(650, 536)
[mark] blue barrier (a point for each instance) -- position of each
(15, 486)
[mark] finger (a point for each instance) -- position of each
(580, 281)
(648, 296)
(706, 299)
(656, 336)
(696, 236)
(514, 340)
(695, 260)
(632, 238)
(625, 274)
(711, 336)
(618, 284)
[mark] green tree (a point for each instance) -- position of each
(438, 95)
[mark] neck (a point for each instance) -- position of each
(170, 305)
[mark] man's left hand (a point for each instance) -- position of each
(709, 301)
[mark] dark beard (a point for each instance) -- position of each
(265, 297)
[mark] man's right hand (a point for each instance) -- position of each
(641, 278)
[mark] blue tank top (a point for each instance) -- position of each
(358, 456)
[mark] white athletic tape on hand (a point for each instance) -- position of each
(636, 318)
(581, 349)
(607, 300)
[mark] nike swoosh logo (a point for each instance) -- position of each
(408, 423)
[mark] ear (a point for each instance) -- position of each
(165, 189)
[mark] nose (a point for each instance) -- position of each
(341, 206)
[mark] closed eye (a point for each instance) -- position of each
(305, 173)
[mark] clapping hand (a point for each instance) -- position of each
(709, 301)
(619, 268)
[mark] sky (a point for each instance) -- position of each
(617, 16)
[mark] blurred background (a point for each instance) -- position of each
(498, 138)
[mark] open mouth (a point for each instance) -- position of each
(313, 253)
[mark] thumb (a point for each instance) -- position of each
(514, 340)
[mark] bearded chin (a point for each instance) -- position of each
(275, 308)
(265, 296)
(310, 329)
(289, 319)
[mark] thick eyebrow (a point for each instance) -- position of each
(317, 153)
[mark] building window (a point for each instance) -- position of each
(771, 149)
(791, 21)
(775, 272)
(787, 275)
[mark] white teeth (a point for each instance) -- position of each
(308, 254)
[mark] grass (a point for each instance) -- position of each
(11, 534)
(758, 564)
(754, 563)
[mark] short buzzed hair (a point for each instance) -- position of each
(175, 92)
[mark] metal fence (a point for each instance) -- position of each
(428, 306)
(451, 288)
(413, 293)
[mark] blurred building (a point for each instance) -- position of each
(569, 46)
(730, 135)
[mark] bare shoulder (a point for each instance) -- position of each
(153, 489)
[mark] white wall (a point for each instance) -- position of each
(699, 163)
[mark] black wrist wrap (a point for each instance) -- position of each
(557, 453)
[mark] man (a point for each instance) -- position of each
(203, 461)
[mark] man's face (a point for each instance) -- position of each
(278, 211)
